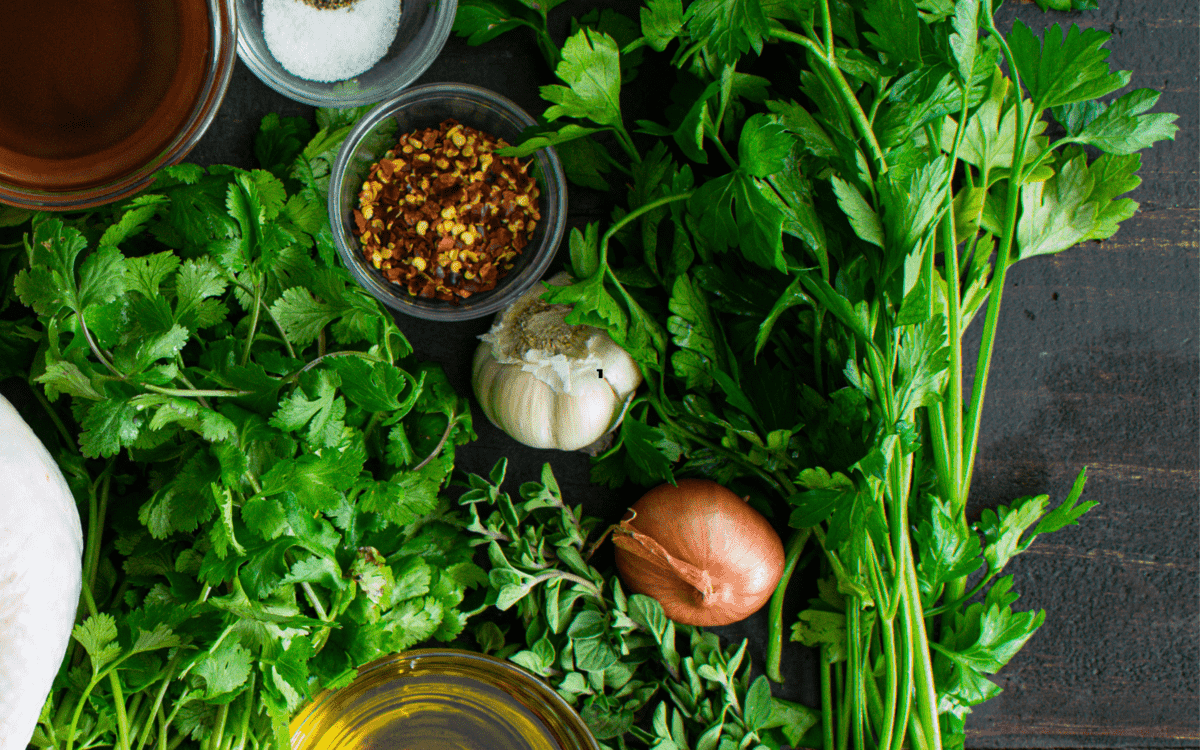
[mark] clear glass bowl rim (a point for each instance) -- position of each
(553, 224)
(224, 32)
(296, 88)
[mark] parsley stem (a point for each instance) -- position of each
(926, 693)
(826, 698)
(775, 608)
(635, 213)
(829, 62)
(1017, 174)
(951, 605)
(954, 323)
(725, 154)
(827, 28)
(887, 635)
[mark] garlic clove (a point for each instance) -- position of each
(583, 415)
(619, 369)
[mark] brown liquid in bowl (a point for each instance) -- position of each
(90, 90)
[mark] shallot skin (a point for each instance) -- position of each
(701, 551)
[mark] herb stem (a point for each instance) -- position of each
(68, 438)
(829, 62)
(725, 153)
(826, 698)
(950, 605)
(987, 345)
(97, 510)
(270, 316)
(827, 28)
(451, 420)
(775, 608)
(887, 635)
(954, 318)
(347, 353)
(87, 334)
(635, 213)
(196, 392)
(156, 707)
(253, 324)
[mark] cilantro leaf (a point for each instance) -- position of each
(98, 634)
(48, 285)
(316, 479)
(224, 670)
(322, 413)
(279, 141)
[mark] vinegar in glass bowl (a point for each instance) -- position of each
(94, 89)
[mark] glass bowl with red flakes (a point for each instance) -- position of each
(430, 219)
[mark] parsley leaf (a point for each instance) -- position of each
(1068, 66)
(591, 69)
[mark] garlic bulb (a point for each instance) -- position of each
(549, 384)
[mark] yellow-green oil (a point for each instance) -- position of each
(440, 701)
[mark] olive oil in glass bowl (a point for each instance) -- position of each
(441, 699)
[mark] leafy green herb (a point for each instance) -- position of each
(251, 432)
(813, 284)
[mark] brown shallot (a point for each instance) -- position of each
(700, 550)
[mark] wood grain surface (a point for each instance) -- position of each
(1096, 365)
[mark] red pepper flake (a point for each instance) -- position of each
(442, 215)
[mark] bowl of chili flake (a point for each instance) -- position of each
(429, 214)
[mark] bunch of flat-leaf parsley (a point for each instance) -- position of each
(799, 241)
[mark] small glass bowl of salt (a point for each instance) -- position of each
(341, 53)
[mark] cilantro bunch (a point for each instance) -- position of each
(798, 242)
(257, 457)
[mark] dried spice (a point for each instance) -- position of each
(443, 216)
(329, 4)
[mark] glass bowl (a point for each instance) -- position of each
(422, 31)
(437, 699)
(169, 133)
(423, 107)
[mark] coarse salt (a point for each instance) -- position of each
(329, 44)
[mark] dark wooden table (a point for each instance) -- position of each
(1096, 365)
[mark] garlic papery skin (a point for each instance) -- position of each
(549, 384)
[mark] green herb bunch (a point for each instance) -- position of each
(636, 678)
(835, 192)
(258, 459)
